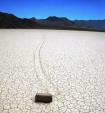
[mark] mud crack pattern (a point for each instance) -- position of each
(70, 62)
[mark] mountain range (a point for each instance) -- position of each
(97, 24)
(52, 22)
(11, 21)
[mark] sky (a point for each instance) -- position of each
(41, 9)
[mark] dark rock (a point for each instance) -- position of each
(43, 97)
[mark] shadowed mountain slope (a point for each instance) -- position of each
(11, 21)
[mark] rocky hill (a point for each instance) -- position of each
(11, 21)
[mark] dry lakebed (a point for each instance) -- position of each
(68, 64)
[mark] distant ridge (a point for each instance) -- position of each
(63, 22)
(59, 21)
(97, 24)
(11, 21)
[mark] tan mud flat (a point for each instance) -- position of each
(43, 97)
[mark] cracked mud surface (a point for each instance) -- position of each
(68, 64)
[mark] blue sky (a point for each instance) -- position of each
(40, 9)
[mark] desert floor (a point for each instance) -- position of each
(68, 64)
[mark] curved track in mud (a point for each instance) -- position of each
(40, 72)
(37, 64)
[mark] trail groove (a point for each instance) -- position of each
(43, 78)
